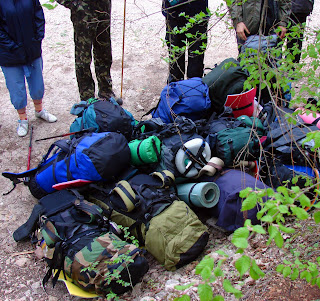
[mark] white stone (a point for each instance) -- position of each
(171, 283)
(147, 298)
(22, 261)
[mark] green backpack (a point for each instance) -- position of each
(234, 139)
(238, 144)
(223, 81)
(149, 206)
(83, 246)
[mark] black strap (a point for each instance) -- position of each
(25, 230)
(198, 158)
(86, 208)
(138, 152)
(156, 149)
(137, 226)
(242, 108)
(316, 121)
(189, 195)
(230, 143)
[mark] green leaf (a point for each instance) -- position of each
(182, 298)
(318, 282)
(206, 272)
(272, 231)
(286, 271)
(49, 6)
(278, 239)
(256, 270)
(220, 252)
(286, 229)
(250, 202)
(280, 268)
(308, 277)
(240, 238)
(218, 272)
(245, 192)
(300, 213)
(205, 292)
(230, 289)
(316, 217)
(267, 219)
(183, 287)
(283, 209)
(303, 274)
(243, 264)
(295, 274)
(304, 200)
(207, 261)
(258, 229)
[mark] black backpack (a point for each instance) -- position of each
(224, 81)
(284, 141)
(103, 116)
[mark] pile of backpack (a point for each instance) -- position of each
(150, 180)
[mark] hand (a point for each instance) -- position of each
(283, 32)
(241, 29)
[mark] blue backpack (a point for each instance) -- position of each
(189, 98)
(93, 157)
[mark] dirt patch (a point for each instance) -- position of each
(145, 75)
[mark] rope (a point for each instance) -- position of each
(123, 38)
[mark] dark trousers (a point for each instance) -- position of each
(297, 19)
(177, 64)
(88, 38)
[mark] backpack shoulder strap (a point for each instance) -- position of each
(25, 230)
(126, 193)
(167, 178)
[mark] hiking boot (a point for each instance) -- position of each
(109, 95)
(23, 127)
(45, 115)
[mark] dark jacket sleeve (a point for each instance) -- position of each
(235, 10)
(39, 21)
(284, 12)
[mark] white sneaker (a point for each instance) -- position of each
(23, 128)
(45, 115)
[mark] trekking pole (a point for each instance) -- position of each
(123, 35)
(30, 148)
(67, 134)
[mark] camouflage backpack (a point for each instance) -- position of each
(150, 207)
(82, 245)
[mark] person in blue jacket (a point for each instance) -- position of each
(172, 9)
(22, 26)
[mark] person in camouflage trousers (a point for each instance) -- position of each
(91, 23)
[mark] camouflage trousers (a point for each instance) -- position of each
(93, 37)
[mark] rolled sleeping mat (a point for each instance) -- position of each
(196, 149)
(203, 194)
(309, 117)
(215, 164)
(145, 151)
